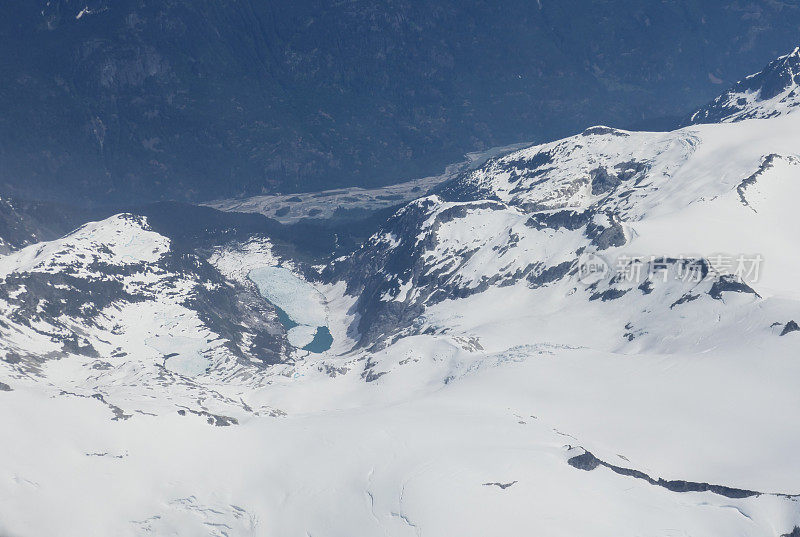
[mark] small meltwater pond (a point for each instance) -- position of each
(301, 308)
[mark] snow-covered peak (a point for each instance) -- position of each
(524, 221)
(120, 240)
(601, 168)
(116, 287)
(772, 92)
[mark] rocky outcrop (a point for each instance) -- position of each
(768, 93)
(790, 327)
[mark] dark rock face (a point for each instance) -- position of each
(501, 486)
(601, 130)
(606, 236)
(780, 75)
(212, 419)
(602, 236)
(186, 99)
(378, 268)
(461, 189)
(790, 327)
(585, 461)
(609, 294)
(767, 163)
(602, 181)
(550, 274)
(588, 462)
(232, 311)
(729, 284)
(567, 219)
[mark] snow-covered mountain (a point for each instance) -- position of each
(694, 228)
(594, 336)
(768, 93)
(113, 299)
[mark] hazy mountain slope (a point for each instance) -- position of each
(25, 222)
(136, 99)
